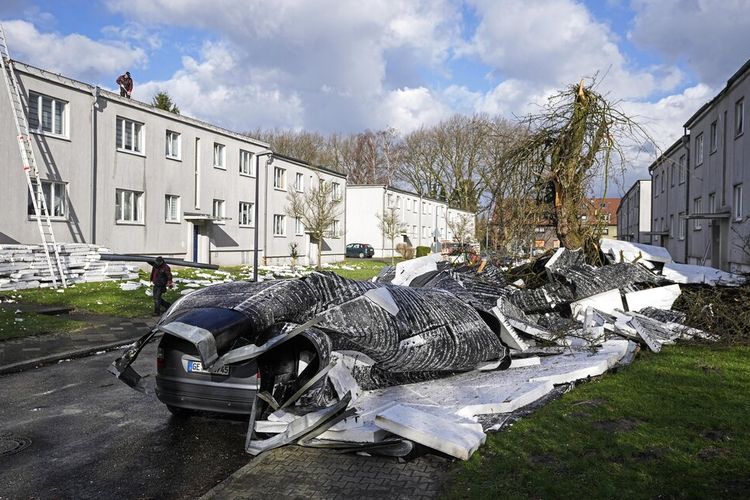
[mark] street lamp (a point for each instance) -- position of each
(257, 210)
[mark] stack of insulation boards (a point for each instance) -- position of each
(25, 266)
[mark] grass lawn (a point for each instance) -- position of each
(14, 325)
(673, 424)
(361, 269)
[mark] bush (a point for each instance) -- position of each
(405, 250)
(422, 251)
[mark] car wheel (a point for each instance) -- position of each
(361, 255)
(180, 412)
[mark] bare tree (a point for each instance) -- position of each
(318, 210)
(391, 226)
(462, 228)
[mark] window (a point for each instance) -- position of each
(279, 225)
(697, 209)
(712, 203)
(671, 226)
(299, 183)
(539, 230)
(656, 186)
(172, 208)
(605, 231)
(699, 149)
(712, 138)
(683, 173)
(663, 175)
(220, 153)
(299, 228)
(390, 200)
(47, 114)
(414, 228)
(219, 209)
(682, 221)
(173, 149)
(129, 135)
(336, 193)
(739, 117)
(246, 163)
(334, 231)
(424, 209)
(738, 202)
(128, 206)
(55, 198)
(246, 214)
(672, 174)
(279, 178)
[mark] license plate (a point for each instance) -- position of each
(197, 367)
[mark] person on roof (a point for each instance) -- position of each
(161, 277)
(126, 84)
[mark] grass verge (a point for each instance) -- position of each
(24, 324)
(672, 424)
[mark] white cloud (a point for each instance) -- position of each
(409, 108)
(711, 36)
(72, 55)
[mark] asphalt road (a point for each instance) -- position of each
(91, 436)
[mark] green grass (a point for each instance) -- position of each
(23, 324)
(362, 269)
(673, 424)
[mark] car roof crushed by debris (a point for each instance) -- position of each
(427, 350)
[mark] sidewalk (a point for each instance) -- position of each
(106, 333)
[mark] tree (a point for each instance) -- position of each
(578, 138)
(162, 101)
(318, 210)
(462, 228)
(391, 226)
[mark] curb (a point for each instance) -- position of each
(52, 358)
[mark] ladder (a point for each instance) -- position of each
(30, 168)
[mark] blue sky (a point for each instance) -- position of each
(345, 66)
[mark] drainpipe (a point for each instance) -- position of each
(382, 233)
(257, 210)
(94, 108)
(688, 175)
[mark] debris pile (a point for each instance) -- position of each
(25, 266)
(422, 352)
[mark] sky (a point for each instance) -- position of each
(346, 66)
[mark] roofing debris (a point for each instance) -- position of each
(423, 350)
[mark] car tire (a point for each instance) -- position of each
(361, 255)
(180, 412)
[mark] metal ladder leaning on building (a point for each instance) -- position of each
(30, 168)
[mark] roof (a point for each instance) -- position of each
(636, 184)
(738, 75)
(605, 206)
(330, 170)
(91, 89)
(666, 154)
(398, 190)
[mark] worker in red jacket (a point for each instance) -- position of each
(161, 277)
(126, 84)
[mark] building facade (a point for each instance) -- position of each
(425, 221)
(125, 175)
(669, 200)
(634, 213)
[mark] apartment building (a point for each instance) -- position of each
(634, 213)
(125, 175)
(425, 221)
(669, 200)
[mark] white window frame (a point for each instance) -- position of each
(38, 99)
(336, 193)
(279, 225)
(57, 190)
(737, 207)
(299, 182)
(173, 140)
(671, 225)
(713, 138)
(697, 208)
(247, 165)
(137, 203)
(138, 146)
(169, 199)
(673, 171)
(682, 221)
(220, 160)
(712, 203)
(246, 214)
(683, 170)
(219, 210)
(656, 186)
(279, 178)
(299, 227)
(699, 149)
(739, 117)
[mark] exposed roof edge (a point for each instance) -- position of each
(671, 149)
(738, 75)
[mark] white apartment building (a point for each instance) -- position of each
(425, 221)
(125, 175)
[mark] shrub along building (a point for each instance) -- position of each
(123, 174)
(699, 198)
(421, 221)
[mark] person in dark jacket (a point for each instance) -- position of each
(161, 277)
(126, 84)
